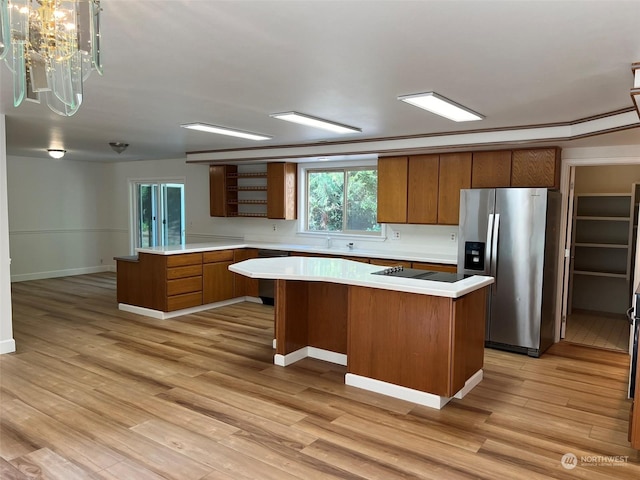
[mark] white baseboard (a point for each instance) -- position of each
(160, 315)
(313, 352)
(409, 394)
(62, 273)
(7, 346)
(474, 380)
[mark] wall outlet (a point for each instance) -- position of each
(275, 227)
(395, 235)
(454, 237)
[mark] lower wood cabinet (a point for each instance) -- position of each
(245, 286)
(173, 282)
(217, 280)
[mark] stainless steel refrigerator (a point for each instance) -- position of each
(512, 235)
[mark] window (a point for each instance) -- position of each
(342, 200)
(158, 213)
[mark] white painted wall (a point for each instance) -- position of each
(7, 344)
(201, 227)
(60, 218)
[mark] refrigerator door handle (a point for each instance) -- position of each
(487, 250)
(494, 251)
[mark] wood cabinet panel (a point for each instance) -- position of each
(437, 267)
(327, 321)
(392, 189)
(454, 175)
(467, 338)
(538, 167)
(182, 259)
(291, 327)
(217, 256)
(217, 282)
(221, 192)
(383, 262)
(184, 285)
(178, 302)
(184, 272)
(422, 200)
(491, 169)
(244, 286)
(281, 190)
(410, 329)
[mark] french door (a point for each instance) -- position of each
(159, 214)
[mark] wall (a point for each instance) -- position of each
(60, 221)
(7, 344)
(201, 227)
(606, 179)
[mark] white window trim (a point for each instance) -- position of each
(302, 201)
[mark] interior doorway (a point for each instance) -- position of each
(602, 236)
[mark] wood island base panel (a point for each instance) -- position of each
(416, 340)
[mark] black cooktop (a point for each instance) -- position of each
(414, 273)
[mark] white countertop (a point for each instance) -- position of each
(425, 257)
(348, 272)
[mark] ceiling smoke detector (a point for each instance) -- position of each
(118, 147)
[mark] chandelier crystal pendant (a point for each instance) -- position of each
(51, 47)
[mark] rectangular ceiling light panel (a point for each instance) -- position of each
(442, 106)
(315, 122)
(203, 127)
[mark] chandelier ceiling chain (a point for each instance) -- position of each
(51, 47)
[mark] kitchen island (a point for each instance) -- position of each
(418, 340)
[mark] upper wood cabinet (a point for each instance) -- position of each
(281, 190)
(422, 198)
(454, 175)
(223, 193)
(392, 189)
(491, 169)
(267, 192)
(539, 167)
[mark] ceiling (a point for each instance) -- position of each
(232, 63)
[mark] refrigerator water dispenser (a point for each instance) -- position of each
(474, 256)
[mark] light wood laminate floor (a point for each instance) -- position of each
(598, 330)
(96, 393)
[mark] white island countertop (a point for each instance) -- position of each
(348, 272)
(424, 256)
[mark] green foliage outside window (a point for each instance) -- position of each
(342, 200)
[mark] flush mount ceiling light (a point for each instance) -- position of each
(118, 147)
(56, 153)
(50, 47)
(203, 127)
(442, 106)
(315, 122)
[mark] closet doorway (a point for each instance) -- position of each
(604, 219)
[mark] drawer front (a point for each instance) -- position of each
(184, 272)
(218, 256)
(184, 285)
(178, 302)
(182, 259)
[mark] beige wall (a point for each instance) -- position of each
(606, 179)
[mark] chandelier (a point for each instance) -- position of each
(51, 47)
